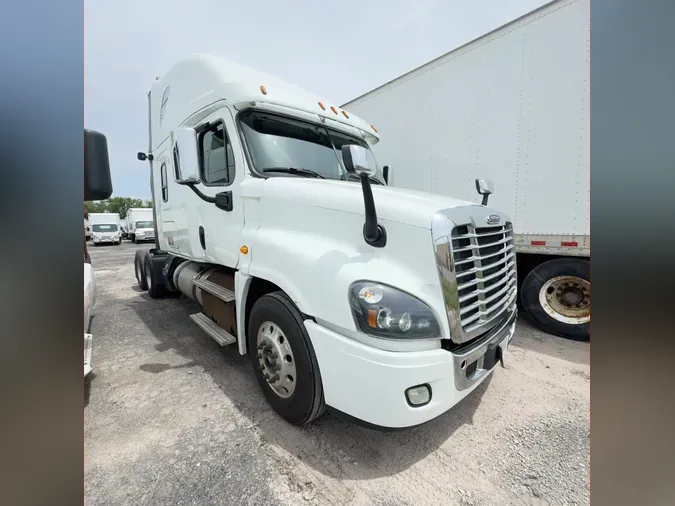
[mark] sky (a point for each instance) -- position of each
(337, 50)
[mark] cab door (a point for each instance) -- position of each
(217, 226)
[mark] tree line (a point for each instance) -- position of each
(115, 205)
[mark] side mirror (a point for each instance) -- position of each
(186, 156)
(97, 182)
(356, 160)
(485, 188)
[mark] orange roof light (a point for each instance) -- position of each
(344, 113)
(263, 90)
(244, 250)
(373, 127)
(332, 108)
(323, 107)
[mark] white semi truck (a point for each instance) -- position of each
(105, 228)
(513, 107)
(140, 225)
(272, 214)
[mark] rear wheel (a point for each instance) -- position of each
(139, 269)
(283, 359)
(156, 287)
(557, 295)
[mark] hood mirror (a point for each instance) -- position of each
(356, 161)
(485, 188)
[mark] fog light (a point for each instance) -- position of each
(418, 396)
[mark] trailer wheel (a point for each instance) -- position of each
(139, 269)
(156, 288)
(283, 359)
(557, 295)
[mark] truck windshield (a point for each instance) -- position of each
(143, 224)
(104, 228)
(276, 142)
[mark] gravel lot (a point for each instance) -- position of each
(173, 418)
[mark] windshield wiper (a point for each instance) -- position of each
(295, 171)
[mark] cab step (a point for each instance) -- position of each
(219, 334)
(209, 286)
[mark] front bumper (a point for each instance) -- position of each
(370, 384)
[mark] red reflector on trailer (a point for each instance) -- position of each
(538, 243)
(574, 244)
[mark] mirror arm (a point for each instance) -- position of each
(373, 233)
(485, 199)
(205, 198)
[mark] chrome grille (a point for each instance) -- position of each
(485, 270)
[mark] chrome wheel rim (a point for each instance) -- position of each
(276, 360)
(567, 299)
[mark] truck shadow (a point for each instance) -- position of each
(333, 445)
(531, 338)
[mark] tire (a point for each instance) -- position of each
(306, 402)
(139, 269)
(133, 238)
(156, 288)
(544, 282)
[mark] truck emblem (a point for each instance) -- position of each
(492, 219)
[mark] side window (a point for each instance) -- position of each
(165, 183)
(217, 157)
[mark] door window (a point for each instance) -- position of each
(217, 156)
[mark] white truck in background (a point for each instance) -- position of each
(511, 106)
(272, 214)
(140, 224)
(105, 228)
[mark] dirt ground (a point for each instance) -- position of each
(173, 418)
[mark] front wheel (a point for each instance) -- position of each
(283, 359)
(557, 295)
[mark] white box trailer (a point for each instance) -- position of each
(140, 224)
(511, 107)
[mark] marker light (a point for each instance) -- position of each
(344, 113)
(323, 107)
(263, 90)
(373, 127)
(332, 108)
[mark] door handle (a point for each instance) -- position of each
(224, 201)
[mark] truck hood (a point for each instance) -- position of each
(408, 207)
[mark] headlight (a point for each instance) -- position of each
(384, 311)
